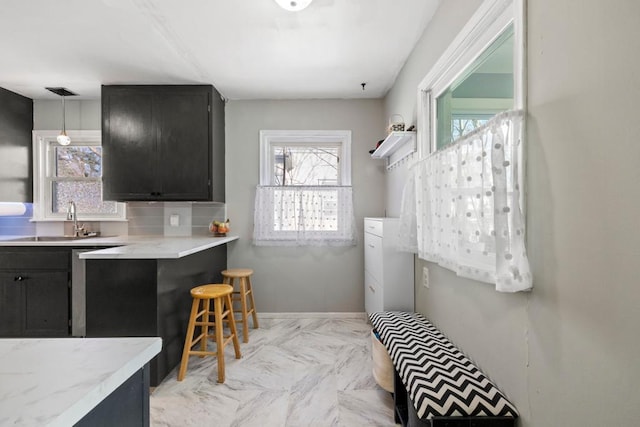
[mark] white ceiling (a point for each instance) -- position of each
(248, 49)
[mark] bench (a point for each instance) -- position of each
(435, 384)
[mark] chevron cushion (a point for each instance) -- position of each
(440, 380)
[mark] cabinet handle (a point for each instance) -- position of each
(372, 289)
(372, 246)
(18, 278)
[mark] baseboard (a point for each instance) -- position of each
(320, 315)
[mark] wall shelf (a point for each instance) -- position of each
(396, 147)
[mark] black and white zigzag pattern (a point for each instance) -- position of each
(440, 380)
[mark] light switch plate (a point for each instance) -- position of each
(174, 220)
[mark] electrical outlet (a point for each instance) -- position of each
(174, 220)
(425, 277)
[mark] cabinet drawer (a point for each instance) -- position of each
(373, 298)
(373, 255)
(36, 258)
(373, 226)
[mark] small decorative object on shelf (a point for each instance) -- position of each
(377, 145)
(396, 123)
(219, 229)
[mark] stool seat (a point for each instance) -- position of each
(211, 291)
(237, 272)
(244, 295)
(201, 315)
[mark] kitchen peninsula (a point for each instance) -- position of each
(143, 290)
(137, 286)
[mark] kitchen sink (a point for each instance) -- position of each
(51, 238)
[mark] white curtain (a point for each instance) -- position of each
(461, 206)
(304, 216)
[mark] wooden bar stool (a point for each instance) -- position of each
(201, 316)
(244, 278)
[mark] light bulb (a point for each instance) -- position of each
(63, 139)
(293, 5)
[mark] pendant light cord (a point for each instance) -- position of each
(64, 119)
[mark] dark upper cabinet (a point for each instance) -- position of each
(16, 124)
(162, 143)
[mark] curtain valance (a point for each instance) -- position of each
(461, 206)
(304, 215)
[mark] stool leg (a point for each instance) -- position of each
(204, 329)
(253, 304)
(217, 302)
(187, 341)
(232, 327)
(243, 302)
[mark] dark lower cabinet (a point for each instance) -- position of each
(148, 297)
(35, 292)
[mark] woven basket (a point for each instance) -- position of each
(396, 123)
(382, 364)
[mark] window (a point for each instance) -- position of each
(484, 89)
(304, 196)
(70, 173)
(480, 75)
(463, 205)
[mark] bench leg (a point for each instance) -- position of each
(399, 400)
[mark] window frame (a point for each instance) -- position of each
(44, 141)
(269, 138)
(340, 138)
(491, 19)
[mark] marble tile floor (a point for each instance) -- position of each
(294, 372)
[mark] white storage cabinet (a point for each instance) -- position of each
(388, 273)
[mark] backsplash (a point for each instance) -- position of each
(144, 218)
(193, 218)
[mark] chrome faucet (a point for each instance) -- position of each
(73, 216)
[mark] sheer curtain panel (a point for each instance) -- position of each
(304, 216)
(461, 206)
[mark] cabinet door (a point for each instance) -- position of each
(128, 144)
(184, 156)
(34, 304)
(16, 124)
(46, 304)
(11, 300)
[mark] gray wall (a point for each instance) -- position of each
(302, 279)
(566, 353)
(80, 115)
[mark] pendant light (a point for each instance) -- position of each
(63, 138)
(293, 5)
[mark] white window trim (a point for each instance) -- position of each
(42, 142)
(299, 137)
(489, 21)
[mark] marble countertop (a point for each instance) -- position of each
(159, 248)
(133, 247)
(57, 381)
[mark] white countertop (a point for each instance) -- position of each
(57, 381)
(135, 247)
(159, 248)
